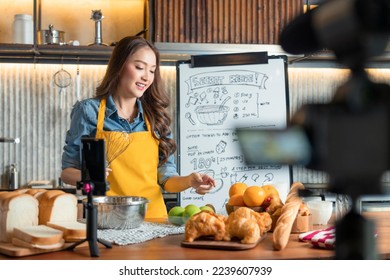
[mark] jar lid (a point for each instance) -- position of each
(23, 16)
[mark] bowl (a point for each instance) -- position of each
(120, 212)
(231, 208)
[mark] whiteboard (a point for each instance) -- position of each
(212, 103)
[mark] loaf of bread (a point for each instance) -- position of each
(288, 214)
(39, 236)
(16, 210)
(72, 231)
(22, 211)
(35, 192)
(57, 206)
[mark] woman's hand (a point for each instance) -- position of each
(108, 170)
(202, 183)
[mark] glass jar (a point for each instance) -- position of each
(23, 29)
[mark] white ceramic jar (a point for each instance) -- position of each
(23, 29)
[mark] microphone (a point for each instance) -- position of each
(9, 140)
(347, 26)
(299, 36)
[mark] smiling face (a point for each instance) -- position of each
(138, 73)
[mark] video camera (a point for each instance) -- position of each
(348, 138)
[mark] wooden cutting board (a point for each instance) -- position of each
(209, 243)
(14, 251)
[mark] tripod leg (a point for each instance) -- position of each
(76, 244)
(92, 233)
(93, 248)
(105, 243)
(355, 238)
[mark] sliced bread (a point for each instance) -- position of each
(16, 210)
(73, 231)
(38, 235)
(20, 243)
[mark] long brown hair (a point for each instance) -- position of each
(154, 101)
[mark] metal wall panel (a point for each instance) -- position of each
(223, 21)
(35, 109)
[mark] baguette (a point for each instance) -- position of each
(288, 214)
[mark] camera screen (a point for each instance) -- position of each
(268, 146)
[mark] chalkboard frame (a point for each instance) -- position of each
(226, 60)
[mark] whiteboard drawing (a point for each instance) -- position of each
(213, 114)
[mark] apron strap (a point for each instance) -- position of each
(101, 114)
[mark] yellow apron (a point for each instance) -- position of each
(134, 171)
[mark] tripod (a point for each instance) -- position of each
(91, 224)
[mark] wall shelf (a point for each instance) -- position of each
(170, 53)
(66, 54)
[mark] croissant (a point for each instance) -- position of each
(247, 225)
(205, 223)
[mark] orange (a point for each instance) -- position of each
(236, 200)
(237, 188)
(254, 196)
(270, 190)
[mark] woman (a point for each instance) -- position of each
(131, 98)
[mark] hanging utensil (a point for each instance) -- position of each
(62, 79)
(78, 83)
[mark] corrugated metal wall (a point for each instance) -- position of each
(223, 21)
(35, 109)
(31, 108)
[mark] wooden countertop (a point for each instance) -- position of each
(169, 248)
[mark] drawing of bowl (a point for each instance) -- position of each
(212, 114)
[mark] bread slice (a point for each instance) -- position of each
(16, 210)
(38, 235)
(57, 206)
(73, 231)
(20, 243)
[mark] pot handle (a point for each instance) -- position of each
(51, 29)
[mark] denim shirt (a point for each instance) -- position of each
(84, 121)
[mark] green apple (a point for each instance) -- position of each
(175, 215)
(189, 211)
(207, 208)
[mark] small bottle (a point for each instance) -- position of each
(23, 29)
(13, 178)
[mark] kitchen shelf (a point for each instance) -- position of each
(66, 54)
(169, 52)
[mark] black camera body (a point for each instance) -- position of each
(350, 136)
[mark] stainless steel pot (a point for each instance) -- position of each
(120, 212)
(51, 36)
